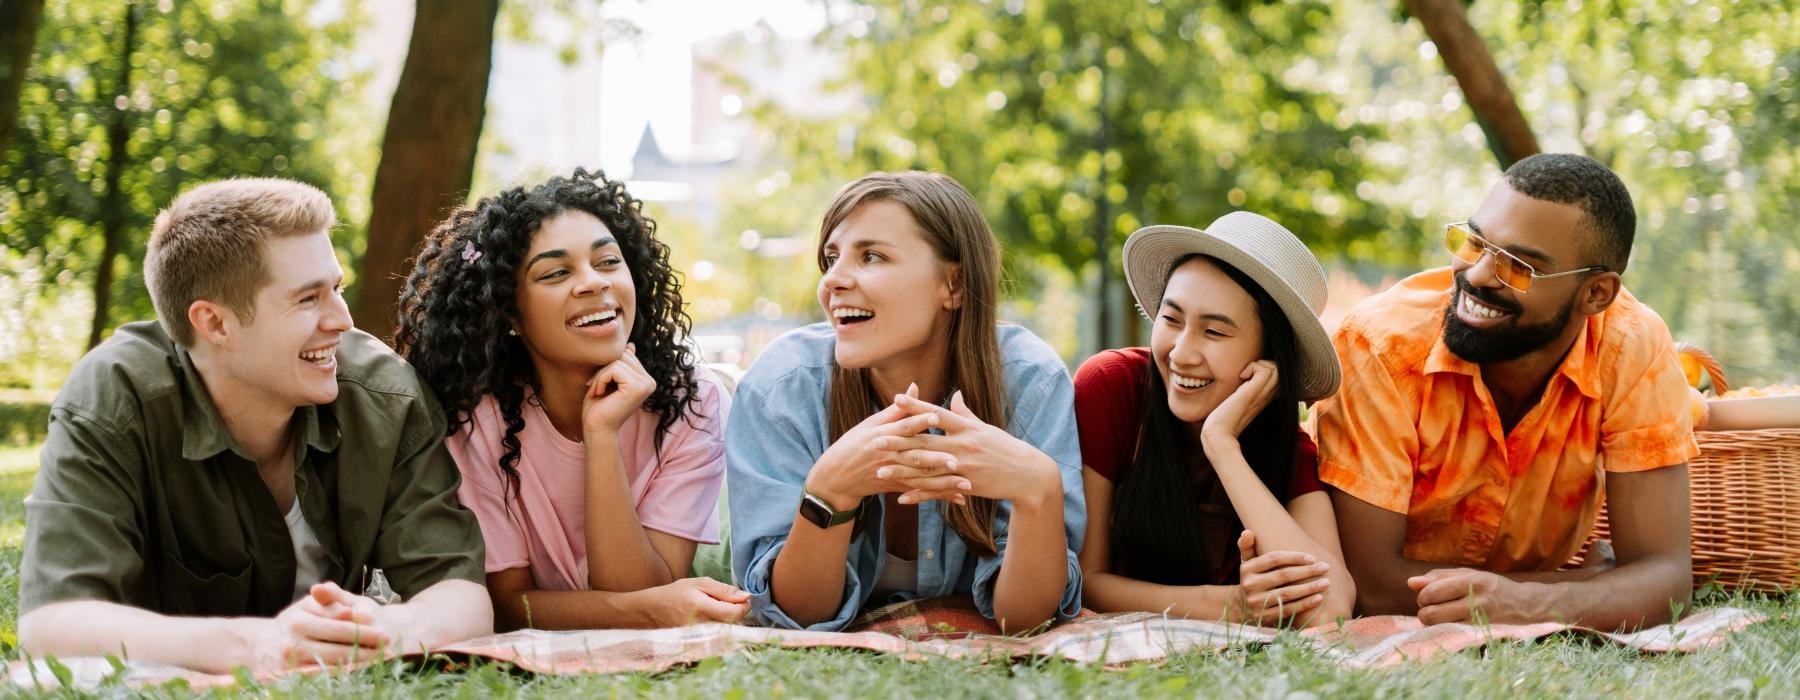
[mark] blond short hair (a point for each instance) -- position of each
(211, 244)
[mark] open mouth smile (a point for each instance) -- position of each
(323, 358)
(850, 315)
(1472, 309)
(1186, 383)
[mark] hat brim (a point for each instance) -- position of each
(1151, 252)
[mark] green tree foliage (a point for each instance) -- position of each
(1077, 122)
(218, 89)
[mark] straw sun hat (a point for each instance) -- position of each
(1268, 254)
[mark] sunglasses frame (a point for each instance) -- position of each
(1502, 257)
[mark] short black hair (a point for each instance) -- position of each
(1569, 178)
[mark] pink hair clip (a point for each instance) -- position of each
(470, 253)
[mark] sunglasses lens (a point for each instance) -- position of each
(1461, 244)
(1512, 273)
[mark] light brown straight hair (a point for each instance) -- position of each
(948, 219)
(211, 244)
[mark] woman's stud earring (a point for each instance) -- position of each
(512, 331)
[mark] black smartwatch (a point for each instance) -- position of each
(820, 514)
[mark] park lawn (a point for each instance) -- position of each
(1763, 661)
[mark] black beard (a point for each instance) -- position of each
(1503, 344)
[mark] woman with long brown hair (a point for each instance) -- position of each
(1205, 493)
(910, 446)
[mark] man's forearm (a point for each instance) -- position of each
(448, 612)
(98, 628)
(1639, 594)
(1381, 586)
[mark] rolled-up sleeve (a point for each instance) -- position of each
(1044, 417)
(1368, 444)
(1647, 424)
(82, 540)
(768, 454)
(426, 535)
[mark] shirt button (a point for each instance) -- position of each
(930, 554)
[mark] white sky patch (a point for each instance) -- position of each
(650, 79)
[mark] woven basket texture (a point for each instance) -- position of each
(1745, 496)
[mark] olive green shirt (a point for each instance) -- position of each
(144, 499)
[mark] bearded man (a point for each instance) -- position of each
(1489, 408)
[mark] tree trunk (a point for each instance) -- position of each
(112, 204)
(1467, 58)
(428, 150)
(18, 34)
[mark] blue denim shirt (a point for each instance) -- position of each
(779, 428)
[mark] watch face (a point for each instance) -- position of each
(815, 512)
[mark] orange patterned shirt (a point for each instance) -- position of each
(1415, 431)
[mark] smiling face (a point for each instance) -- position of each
(287, 353)
(886, 292)
(1206, 332)
(1487, 322)
(575, 295)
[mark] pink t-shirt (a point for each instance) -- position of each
(677, 494)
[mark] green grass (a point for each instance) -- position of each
(1763, 661)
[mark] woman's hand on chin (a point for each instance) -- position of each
(971, 458)
(614, 393)
(848, 471)
(1228, 421)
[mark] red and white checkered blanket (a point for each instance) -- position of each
(951, 628)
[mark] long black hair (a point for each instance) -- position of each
(460, 301)
(1172, 522)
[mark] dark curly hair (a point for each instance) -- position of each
(455, 312)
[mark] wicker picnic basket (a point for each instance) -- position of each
(1744, 488)
(1745, 513)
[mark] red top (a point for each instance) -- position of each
(1109, 410)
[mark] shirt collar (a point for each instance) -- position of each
(204, 434)
(1578, 365)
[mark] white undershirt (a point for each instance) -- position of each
(309, 555)
(896, 575)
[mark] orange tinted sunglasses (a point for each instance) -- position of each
(1516, 274)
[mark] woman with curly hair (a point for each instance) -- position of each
(911, 446)
(550, 324)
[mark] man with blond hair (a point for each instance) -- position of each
(248, 481)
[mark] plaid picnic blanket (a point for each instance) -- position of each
(951, 628)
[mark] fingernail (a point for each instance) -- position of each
(964, 485)
(1324, 583)
(960, 500)
(879, 443)
(884, 472)
(1310, 558)
(905, 500)
(950, 465)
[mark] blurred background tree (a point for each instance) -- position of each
(18, 34)
(1075, 123)
(127, 103)
(1072, 122)
(428, 151)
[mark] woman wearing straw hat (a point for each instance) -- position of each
(1194, 442)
